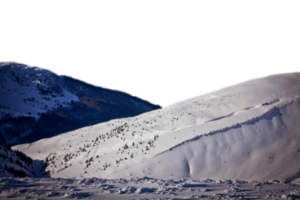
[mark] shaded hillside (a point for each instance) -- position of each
(15, 164)
(36, 103)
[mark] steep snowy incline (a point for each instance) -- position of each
(248, 131)
(264, 148)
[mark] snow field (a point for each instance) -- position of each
(144, 188)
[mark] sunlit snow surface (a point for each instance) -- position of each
(248, 132)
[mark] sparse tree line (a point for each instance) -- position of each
(117, 132)
(113, 133)
(88, 161)
(150, 144)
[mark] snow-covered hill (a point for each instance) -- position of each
(250, 131)
(36, 103)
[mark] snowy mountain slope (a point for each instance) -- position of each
(249, 131)
(36, 103)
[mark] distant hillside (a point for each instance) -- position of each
(36, 103)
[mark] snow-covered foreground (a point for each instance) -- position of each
(144, 188)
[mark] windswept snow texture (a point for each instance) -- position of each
(144, 188)
(250, 131)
